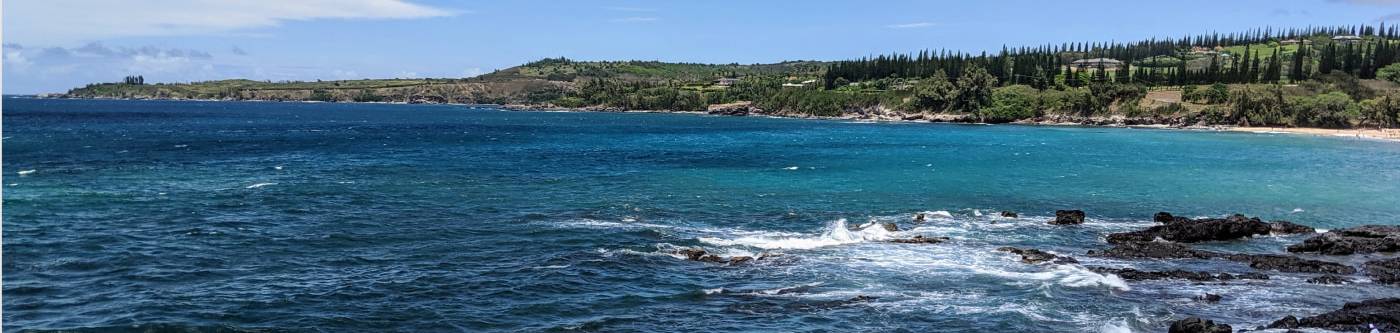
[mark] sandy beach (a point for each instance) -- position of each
(1369, 133)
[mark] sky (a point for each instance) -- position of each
(55, 45)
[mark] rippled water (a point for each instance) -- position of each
(336, 217)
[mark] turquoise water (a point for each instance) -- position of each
(358, 217)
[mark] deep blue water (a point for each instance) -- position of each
(341, 217)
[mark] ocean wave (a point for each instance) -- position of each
(836, 233)
(259, 185)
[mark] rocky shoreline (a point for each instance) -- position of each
(1171, 239)
(885, 115)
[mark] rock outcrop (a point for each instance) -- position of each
(1068, 217)
(1033, 256)
(698, 254)
(920, 240)
(1198, 325)
(1010, 214)
(1131, 274)
(1165, 250)
(1289, 264)
(1184, 230)
(742, 108)
(1363, 239)
(1329, 279)
(1384, 271)
(1384, 313)
(1152, 250)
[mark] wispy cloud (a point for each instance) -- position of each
(636, 19)
(71, 21)
(913, 25)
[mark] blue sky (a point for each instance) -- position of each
(54, 45)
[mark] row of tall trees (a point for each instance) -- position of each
(1039, 67)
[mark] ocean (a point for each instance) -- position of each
(321, 217)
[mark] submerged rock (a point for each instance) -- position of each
(920, 240)
(1384, 313)
(1132, 274)
(698, 254)
(1033, 256)
(1384, 271)
(1209, 298)
(1068, 217)
(891, 227)
(1363, 239)
(1198, 325)
(1329, 279)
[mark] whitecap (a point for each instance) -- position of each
(939, 214)
(259, 185)
(712, 291)
(1297, 210)
(836, 233)
(26, 172)
(790, 168)
(1119, 326)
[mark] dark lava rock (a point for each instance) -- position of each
(1033, 256)
(1289, 228)
(889, 226)
(1011, 214)
(920, 240)
(1363, 239)
(1180, 229)
(697, 254)
(1384, 271)
(1233, 227)
(1154, 250)
(1165, 250)
(1198, 325)
(1352, 317)
(1137, 275)
(1329, 279)
(1167, 218)
(1068, 217)
(1209, 298)
(1291, 264)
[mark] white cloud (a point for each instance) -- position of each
(910, 25)
(75, 21)
(638, 19)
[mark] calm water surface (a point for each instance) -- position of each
(339, 217)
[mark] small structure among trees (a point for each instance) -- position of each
(1101, 63)
(134, 79)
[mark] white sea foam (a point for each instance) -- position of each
(1297, 210)
(836, 233)
(790, 168)
(1119, 326)
(26, 172)
(939, 214)
(259, 185)
(713, 291)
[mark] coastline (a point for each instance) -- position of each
(1388, 135)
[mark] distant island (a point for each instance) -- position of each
(1343, 77)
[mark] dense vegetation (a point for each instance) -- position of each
(1319, 77)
